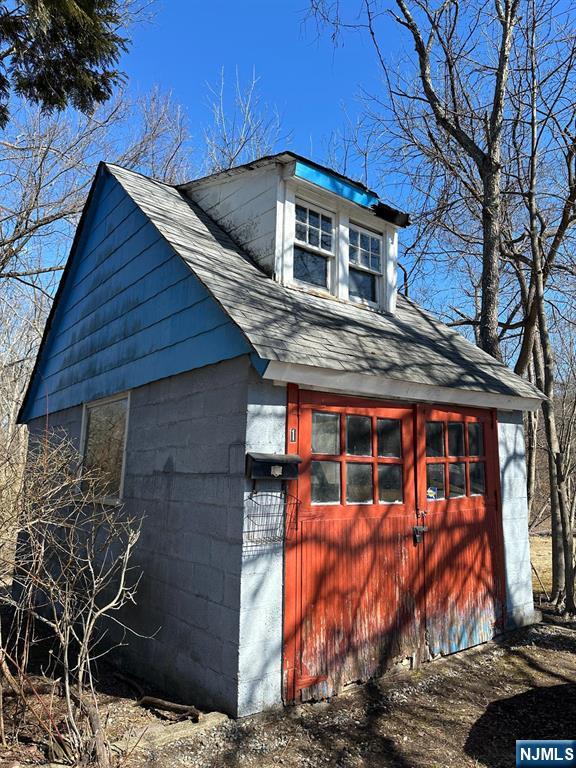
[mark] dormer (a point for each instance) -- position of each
(308, 227)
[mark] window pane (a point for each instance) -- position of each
(301, 232)
(375, 263)
(477, 478)
(353, 254)
(434, 438)
(364, 258)
(359, 435)
(104, 447)
(364, 242)
(313, 219)
(435, 481)
(301, 213)
(326, 224)
(310, 267)
(390, 483)
(353, 237)
(456, 439)
(375, 245)
(475, 439)
(313, 237)
(388, 431)
(359, 483)
(325, 482)
(325, 433)
(326, 242)
(362, 285)
(457, 479)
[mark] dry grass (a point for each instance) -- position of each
(541, 556)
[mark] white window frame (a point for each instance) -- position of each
(332, 257)
(86, 407)
(378, 274)
(290, 191)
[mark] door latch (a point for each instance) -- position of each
(418, 532)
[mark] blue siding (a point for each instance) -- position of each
(334, 184)
(130, 312)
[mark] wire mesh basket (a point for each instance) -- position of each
(268, 515)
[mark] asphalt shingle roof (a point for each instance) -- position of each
(291, 326)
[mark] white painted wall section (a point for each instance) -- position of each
(512, 455)
(262, 577)
(245, 206)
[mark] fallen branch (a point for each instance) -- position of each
(151, 702)
(185, 710)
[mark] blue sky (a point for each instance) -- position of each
(312, 83)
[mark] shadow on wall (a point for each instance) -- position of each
(521, 717)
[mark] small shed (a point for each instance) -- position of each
(332, 481)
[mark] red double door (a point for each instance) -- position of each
(396, 550)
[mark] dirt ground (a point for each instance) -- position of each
(466, 710)
(463, 711)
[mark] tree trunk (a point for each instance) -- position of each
(558, 571)
(488, 330)
(557, 474)
(531, 458)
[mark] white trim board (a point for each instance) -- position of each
(343, 382)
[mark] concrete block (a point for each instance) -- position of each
(258, 694)
(232, 591)
(262, 590)
(208, 582)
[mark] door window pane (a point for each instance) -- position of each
(325, 482)
(359, 483)
(457, 479)
(310, 267)
(456, 439)
(325, 433)
(434, 438)
(476, 439)
(435, 481)
(477, 478)
(389, 443)
(359, 435)
(390, 483)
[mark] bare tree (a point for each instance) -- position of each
(479, 121)
(73, 575)
(243, 127)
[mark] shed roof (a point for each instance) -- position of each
(288, 325)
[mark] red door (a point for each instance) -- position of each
(361, 591)
(351, 602)
(462, 548)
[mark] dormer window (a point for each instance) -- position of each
(313, 246)
(365, 265)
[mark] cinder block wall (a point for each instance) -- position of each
(512, 454)
(261, 598)
(185, 475)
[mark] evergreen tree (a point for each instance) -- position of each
(59, 52)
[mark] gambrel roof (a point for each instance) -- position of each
(291, 326)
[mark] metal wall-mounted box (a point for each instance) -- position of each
(272, 466)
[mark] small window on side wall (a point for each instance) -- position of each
(104, 443)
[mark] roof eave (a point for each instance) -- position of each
(381, 387)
